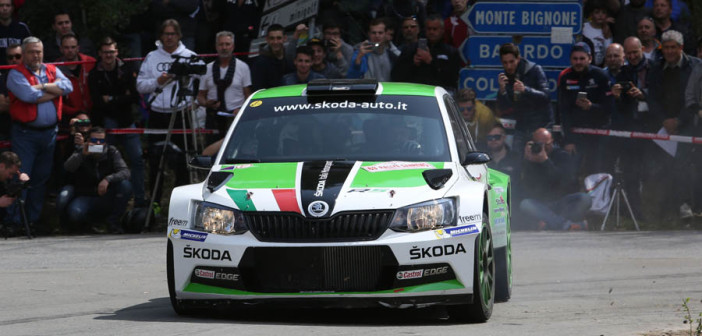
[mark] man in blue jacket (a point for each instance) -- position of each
(523, 95)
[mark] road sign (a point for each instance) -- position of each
(485, 50)
(289, 15)
(484, 82)
(524, 18)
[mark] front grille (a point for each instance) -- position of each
(292, 227)
(318, 269)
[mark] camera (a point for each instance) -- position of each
(187, 65)
(81, 123)
(626, 86)
(536, 147)
(15, 187)
(511, 79)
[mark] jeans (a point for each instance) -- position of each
(35, 149)
(556, 215)
(132, 148)
(82, 209)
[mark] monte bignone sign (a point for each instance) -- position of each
(524, 18)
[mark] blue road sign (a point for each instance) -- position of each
(484, 82)
(485, 50)
(525, 18)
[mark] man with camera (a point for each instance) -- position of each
(225, 85)
(12, 182)
(101, 187)
(372, 58)
(164, 74)
(549, 186)
(430, 60)
(523, 95)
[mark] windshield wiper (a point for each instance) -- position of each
(229, 161)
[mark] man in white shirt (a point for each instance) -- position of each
(225, 86)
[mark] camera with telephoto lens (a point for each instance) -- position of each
(536, 147)
(81, 123)
(187, 65)
(15, 187)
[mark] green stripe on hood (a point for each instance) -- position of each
(391, 178)
(264, 176)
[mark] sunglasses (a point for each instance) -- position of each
(15, 56)
(493, 137)
(97, 141)
(467, 108)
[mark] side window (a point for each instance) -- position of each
(463, 143)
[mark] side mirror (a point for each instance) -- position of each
(475, 158)
(202, 162)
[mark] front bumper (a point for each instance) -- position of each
(395, 270)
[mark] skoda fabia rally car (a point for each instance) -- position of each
(344, 194)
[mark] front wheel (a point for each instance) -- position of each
(483, 280)
(178, 306)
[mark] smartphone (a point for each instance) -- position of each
(422, 44)
(582, 95)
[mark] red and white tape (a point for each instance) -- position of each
(130, 59)
(637, 135)
(8, 144)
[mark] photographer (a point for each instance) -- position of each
(10, 180)
(429, 61)
(372, 58)
(523, 94)
(157, 78)
(225, 85)
(550, 186)
(101, 188)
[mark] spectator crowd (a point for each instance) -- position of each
(635, 67)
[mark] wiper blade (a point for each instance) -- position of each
(229, 161)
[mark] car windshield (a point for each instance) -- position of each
(385, 128)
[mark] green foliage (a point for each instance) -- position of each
(697, 331)
(94, 19)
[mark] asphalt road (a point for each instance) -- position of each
(585, 283)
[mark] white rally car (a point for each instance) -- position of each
(344, 194)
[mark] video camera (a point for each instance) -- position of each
(187, 65)
(15, 187)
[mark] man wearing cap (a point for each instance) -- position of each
(584, 100)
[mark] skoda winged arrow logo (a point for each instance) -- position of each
(318, 208)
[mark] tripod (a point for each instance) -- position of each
(188, 118)
(616, 197)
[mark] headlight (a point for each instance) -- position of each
(215, 218)
(425, 216)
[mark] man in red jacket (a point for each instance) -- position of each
(35, 108)
(79, 99)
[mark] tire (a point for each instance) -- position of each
(503, 272)
(503, 262)
(480, 309)
(178, 306)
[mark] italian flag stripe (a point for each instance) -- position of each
(286, 200)
(243, 202)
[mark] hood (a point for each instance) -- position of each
(322, 188)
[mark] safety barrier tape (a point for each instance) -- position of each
(130, 59)
(8, 144)
(637, 135)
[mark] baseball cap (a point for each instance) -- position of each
(314, 41)
(581, 46)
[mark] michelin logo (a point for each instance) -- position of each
(463, 230)
(188, 235)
